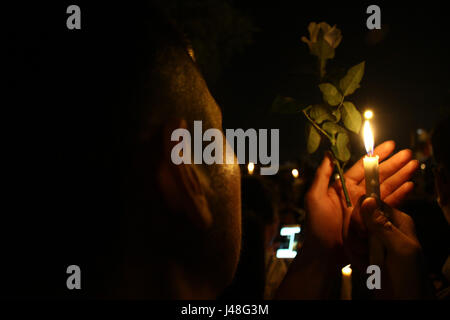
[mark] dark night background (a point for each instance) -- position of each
(250, 52)
(405, 82)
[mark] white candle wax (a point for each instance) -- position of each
(376, 255)
(371, 176)
(346, 284)
(373, 189)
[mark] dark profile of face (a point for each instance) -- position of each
(138, 225)
(202, 201)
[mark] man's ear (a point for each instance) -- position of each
(183, 185)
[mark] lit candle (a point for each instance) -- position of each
(250, 167)
(376, 254)
(370, 163)
(346, 284)
(295, 173)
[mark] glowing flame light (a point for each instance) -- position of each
(251, 167)
(368, 114)
(295, 173)
(368, 138)
(347, 270)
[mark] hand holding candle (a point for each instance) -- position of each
(371, 174)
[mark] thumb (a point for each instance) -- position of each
(322, 177)
(368, 207)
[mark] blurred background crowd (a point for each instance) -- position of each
(270, 203)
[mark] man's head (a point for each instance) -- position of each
(441, 155)
(115, 91)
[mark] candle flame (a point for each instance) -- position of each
(368, 114)
(347, 270)
(368, 138)
(295, 173)
(251, 167)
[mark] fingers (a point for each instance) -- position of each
(398, 239)
(396, 197)
(368, 207)
(394, 163)
(400, 220)
(378, 224)
(356, 172)
(391, 184)
(354, 224)
(322, 178)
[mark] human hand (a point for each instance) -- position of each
(401, 269)
(328, 215)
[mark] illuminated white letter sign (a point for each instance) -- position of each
(289, 252)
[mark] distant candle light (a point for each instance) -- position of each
(251, 167)
(368, 115)
(346, 271)
(346, 284)
(295, 173)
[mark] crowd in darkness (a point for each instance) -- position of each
(92, 183)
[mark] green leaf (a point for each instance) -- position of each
(337, 115)
(313, 139)
(351, 117)
(350, 82)
(285, 105)
(332, 129)
(330, 94)
(340, 149)
(320, 113)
